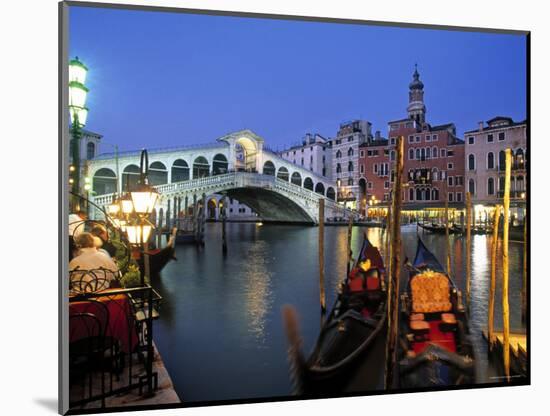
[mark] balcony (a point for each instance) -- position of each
(513, 194)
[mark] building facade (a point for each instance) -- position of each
(433, 158)
(485, 160)
(314, 153)
(345, 160)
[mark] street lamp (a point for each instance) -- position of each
(144, 197)
(78, 115)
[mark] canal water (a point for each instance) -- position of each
(221, 334)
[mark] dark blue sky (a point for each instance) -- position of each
(168, 79)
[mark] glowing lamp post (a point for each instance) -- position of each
(79, 115)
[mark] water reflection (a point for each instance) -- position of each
(221, 333)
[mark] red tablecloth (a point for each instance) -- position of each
(120, 321)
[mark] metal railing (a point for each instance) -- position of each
(143, 302)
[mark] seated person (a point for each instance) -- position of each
(100, 232)
(84, 269)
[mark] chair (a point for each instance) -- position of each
(89, 281)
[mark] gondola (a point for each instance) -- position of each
(356, 320)
(435, 346)
(438, 229)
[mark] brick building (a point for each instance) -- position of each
(433, 158)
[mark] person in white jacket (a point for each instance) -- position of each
(91, 270)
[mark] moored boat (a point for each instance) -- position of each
(435, 346)
(356, 320)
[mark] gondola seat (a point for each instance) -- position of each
(430, 293)
(417, 317)
(448, 322)
(420, 329)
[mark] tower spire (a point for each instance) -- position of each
(416, 108)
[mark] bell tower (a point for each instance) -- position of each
(416, 108)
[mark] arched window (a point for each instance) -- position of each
(180, 171)
(418, 194)
(338, 168)
(392, 155)
(296, 179)
(219, 164)
(350, 182)
(490, 160)
(501, 184)
(201, 168)
(490, 186)
(269, 168)
(519, 160)
(434, 152)
(90, 150)
(308, 184)
(338, 154)
(418, 154)
(330, 193)
(350, 152)
(158, 174)
(283, 174)
(501, 160)
(422, 154)
(130, 177)
(471, 162)
(104, 181)
(320, 188)
(471, 187)
(427, 194)
(435, 194)
(411, 154)
(411, 194)
(428, 153)
(434, 174)
(350, 166)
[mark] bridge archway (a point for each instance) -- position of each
(320, 188)
(296, 179)
(246, 151)
(219, 164)
(180, 171)
(308, 183)
(201, 167)
(130, 177)
(331, 194)
(104, 181)
(158, 174)
(212, 207)
(283, 174)
(269, 168)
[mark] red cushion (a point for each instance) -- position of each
(373, 283)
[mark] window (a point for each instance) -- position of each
(419, 194)
(350, 182)
(442, 175)
(471, 140)
(417, 139)
(422, 154)
(434, 174)
(490, 160)
(434, 152)
(450, 181)
(450, 153)
(428, 138)
(459, 197)
(435, 194)
(302, 161)
(428, 153)
(501, 136)
(411, 154)
(392, 140)
(90, 150)
(361, 168)
(302, 150)
(501, 183)
(392, 155)
(375, 168)
(450, 166)
(338, 168)
(490, 138)
(471, 162)
(362, 153)
(418, 154)
(434, 138)
(451, 197)
(350, 152)
(443, 153)
(411, 194)
(350, 166)
(386, 185)
(471, 187)
(338, 154)
(459, 180)
(501, 160)
(411, 139)
(350, 138)
(490, 186)
(369, 153)
(369, 185)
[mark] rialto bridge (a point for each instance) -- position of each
(237, 165)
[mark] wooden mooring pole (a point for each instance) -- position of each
(223, 215)
(350, 254)
(322, 255)
(447, 239)
(468, 247)
(505, 270)
(525, 261)
(393, 284)
(493, 283)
